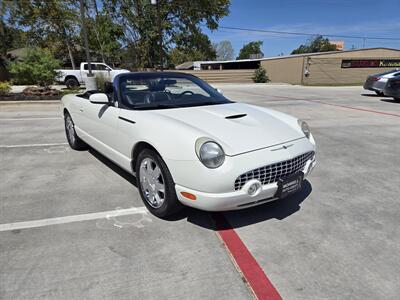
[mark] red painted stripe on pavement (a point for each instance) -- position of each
(356, 108)
(248, 266)
(340, 105)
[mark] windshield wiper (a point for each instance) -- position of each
(156, 106)
(206, 103)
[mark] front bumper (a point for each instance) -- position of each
(236, 199)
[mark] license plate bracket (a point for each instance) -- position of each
(289, 185)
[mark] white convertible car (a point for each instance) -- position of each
(188, 144)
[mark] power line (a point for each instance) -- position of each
(311, 34)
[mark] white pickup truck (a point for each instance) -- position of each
(73, 78)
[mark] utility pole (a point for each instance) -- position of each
(90, 82)
(160, 32)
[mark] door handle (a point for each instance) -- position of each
(81, 109)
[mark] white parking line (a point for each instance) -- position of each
(33, 145)
(30, 119)
(71, 219)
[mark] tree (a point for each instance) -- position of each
(106, 36)
(178, 56)
(48, 21)
(260, 75)
(224, 50)
(317, 44)
(180, 22)
(39, 67)
(10, 38)
(252, 48)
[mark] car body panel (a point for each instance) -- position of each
(377, 82)
(392, 88)
(255, 130)
(258, 137)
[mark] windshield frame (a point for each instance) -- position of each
(119, 79)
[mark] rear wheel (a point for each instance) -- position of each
(73, 140)
(155, 184)
(71, 83)
(379, 93)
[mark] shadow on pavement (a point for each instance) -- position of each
(117, 169)
(390, 101)
(279, 209)
(373, 95)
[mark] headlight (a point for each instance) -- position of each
(304, 127)
(211, 154)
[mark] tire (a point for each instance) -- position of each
(155, 184)
(380, 93)
(73, 140)
(71, 83)
(396, 99)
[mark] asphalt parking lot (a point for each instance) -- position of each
(72, 225)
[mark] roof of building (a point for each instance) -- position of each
(185, 66)
(19, 53)
(291, 56)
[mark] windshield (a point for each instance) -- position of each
(163, 90)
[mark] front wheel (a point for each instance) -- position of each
(72, 83)
(155, 184)
(73, 140)
(396, 99)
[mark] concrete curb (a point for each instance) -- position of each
(13, 102)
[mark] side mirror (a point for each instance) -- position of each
(220, 91)
(99, 98)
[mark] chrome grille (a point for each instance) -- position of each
(272, 173)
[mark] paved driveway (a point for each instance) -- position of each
(73, 225)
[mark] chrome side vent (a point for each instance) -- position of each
(236, 116)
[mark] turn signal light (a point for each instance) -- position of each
(189, 195)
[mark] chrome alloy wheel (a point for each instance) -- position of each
(152, 182)
(69, 126)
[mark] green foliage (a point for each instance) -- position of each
(250, 49)
(37, 68)
(317, 44)
(180, 23)
(5, 88)
(260, 75)
(49, 24)
(120, 31)
(224, 50)
(180, 55)
(100, 80)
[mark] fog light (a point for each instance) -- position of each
(254, 188)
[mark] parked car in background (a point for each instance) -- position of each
(377, 82)
(188, 144)
(392, 88)
(73, 78)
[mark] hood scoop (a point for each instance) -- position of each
(236, 116)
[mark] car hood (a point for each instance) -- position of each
(238, 127)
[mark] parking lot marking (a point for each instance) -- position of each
(244, 261)
(71, 219)
(336, 105)
(30, 119)
(356, 108)
(33, 145)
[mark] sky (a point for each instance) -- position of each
(337, 17)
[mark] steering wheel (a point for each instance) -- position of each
(185, 92)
